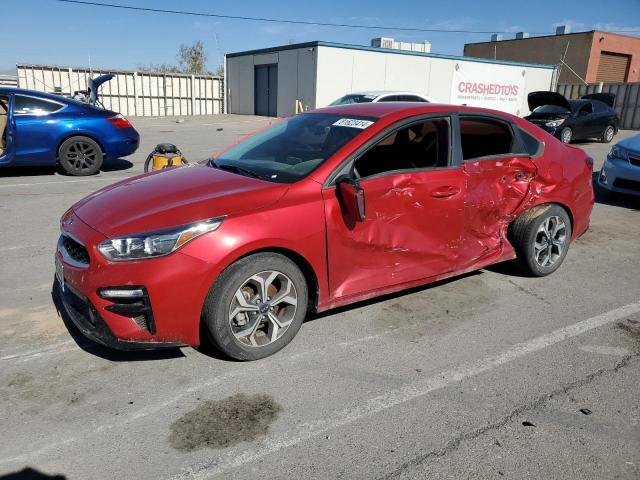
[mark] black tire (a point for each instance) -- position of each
(525, 235)
(607, 134)
(566, 135)
(80, 156)
(217, 307)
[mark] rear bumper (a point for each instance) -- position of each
(127, 144)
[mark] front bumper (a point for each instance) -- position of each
(91, 324)
(175, 289)
(619, 175)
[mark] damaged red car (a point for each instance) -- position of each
(319, 210)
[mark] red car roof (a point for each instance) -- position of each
(382, 109)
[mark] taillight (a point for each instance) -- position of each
(119, 121)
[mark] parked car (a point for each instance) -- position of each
(592, 116)
(621, 170)
(319, 210)
(41, 129)
(380, 96)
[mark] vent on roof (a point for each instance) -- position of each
(496, 37)
(521, 35)
(387, 42)
(563, 29)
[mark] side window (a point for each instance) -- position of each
(586, 109)
(532, 145)
(34, 106)
(390, 98)
(600, 107)
(419, 146)
(484, 137)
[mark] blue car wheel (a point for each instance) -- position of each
(80, 156)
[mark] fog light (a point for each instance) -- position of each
(122, 292)
(132, 302)
(603, 176)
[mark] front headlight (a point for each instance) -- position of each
(617, 152)
(155, 244)
(555, 123)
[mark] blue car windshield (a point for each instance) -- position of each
(291, 149)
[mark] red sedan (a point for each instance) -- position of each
(319, 210)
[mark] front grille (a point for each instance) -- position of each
(76, 250)
(634, 160)
(627, 184)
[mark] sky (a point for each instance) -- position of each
(50, 32)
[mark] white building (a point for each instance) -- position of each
(270, 81)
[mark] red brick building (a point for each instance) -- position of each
(593, 56)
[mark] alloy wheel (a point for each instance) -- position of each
(263, 308)
(81, 155)
(608, 134)
(550, 241)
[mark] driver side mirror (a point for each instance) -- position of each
(352, 197)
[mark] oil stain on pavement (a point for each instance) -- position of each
(224, 423)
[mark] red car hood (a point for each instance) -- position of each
(173, 197)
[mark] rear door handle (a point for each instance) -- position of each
(444, 192)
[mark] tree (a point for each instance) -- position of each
(192, 58)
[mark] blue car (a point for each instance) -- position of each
(621, 170)
(41, 129)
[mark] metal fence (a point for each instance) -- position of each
(627, 99)
(133, 93)
(8, 81)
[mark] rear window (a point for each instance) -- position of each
(530, 143)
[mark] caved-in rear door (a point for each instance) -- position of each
(497, 183)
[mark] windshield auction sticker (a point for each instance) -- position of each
(352, 123)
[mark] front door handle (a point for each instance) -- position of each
(444, 192)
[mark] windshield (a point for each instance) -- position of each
(292, 148)
(354, 98)
(550, 109)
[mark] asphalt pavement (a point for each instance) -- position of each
(487, 375)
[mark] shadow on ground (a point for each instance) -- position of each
(101, 351)
(110, 165)
(29, 473)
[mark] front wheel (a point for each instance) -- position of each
(541, 237)
(80, 156)
(566, 135)
(256, 306)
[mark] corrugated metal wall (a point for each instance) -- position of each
(627, 99)
(132, 93)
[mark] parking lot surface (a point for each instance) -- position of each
(487, 375)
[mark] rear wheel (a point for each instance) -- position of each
(80, 156)
(256, 306)
(541, 237)
(566, 135)
(608, 134)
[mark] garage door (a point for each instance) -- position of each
(612, 68)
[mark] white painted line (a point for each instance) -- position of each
(18, 247)
(53, 348)
(57, 182)
(273, 444)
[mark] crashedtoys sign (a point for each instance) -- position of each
(500, 87)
